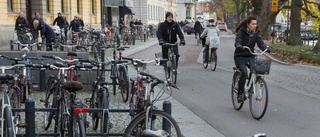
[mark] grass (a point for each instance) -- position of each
(302, 54)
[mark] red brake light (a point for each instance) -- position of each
(77, 110)
(84, 110)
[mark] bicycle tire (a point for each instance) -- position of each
(213, 60)
(260, 82)
(114, 78)
(234, 91)
(79, 129)
(8, 125)
(51, 97)
(204, 62)
(140, 120)
(104, 122)
(14, 97)
(174, 71)
(123, 82)
(102, 102)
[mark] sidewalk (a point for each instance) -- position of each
(190, 124)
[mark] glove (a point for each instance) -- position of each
(239, 47)
(161, 42)
(269, 49)
(182, 42)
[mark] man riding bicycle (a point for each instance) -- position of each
(247, 35)
(167, 33)
(210, 32)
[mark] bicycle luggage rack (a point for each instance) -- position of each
(30, 112)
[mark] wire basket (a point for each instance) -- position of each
(262, 65)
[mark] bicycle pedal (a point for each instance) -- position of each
(43, 101)
(22, 125)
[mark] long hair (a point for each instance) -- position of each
(245, 22)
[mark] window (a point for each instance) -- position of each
(48, 5)
(78, 6)
(148, 11)
(62, 6)
(9, 2)
(188, 12)
(92, 6)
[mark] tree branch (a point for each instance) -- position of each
(310, 13)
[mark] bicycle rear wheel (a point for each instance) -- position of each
(137, 126)
(258, 98)
(79, 129)
(234, 91)
(213, 60)
(205, 59)
(8, 129)
(14, 101)
(123, 79)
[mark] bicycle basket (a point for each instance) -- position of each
(262, 65)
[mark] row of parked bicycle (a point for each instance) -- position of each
(85, 38)
(70, 116)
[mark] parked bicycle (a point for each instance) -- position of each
(255, 88)
(153, 122)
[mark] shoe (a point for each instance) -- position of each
(240, 98)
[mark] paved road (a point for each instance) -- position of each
(294, 95)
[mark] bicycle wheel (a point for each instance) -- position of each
(258, 98)
(204, 59)
(50, 101)
(174, 71)
(8, 129)
(123, 79)
(102, 102)
(95, 52)
(14, 101)
(137, 127)
(79, 129)
(213, 60)
(114, 78)
(234, 91)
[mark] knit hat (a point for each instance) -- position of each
(169, 14)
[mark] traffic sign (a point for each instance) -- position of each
(274, 5)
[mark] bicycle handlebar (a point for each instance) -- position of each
(169, 44)
(65, 60)
(256, 54)
(158, 80)
(142, 61)
(9, 58)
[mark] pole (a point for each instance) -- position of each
(166, 108)
(30, 117)
(102, 14)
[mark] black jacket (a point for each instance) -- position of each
(21, 21)
(167, 32)
(247, 38)
(198, 26)
(60, 22)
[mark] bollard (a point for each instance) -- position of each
(11, 45)
(30, 113)
(144, 37)
(42, 83)
(133, 39)
(166, 108)
(118, 40)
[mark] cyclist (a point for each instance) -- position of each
(209, 32)
(197, 29)
(45, 31)
(167, 33)
(21, 24)
(247, 35)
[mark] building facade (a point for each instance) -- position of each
(186, 10)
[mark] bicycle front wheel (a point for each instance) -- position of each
(258, 98)
(213, 60)
(8, 129)
(174, 71)
(123, 83)
(234, 91)
(51, 101)
(159, 121)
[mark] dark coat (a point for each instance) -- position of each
(75, 25)
(167, 32)
(21, 21)
(60, 22)
(197, 27)
(45, 29)
(247, 38)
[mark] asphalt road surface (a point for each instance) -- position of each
(294, 93)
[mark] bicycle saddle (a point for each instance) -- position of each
(4, 78)
(72, 86)
(72, 54)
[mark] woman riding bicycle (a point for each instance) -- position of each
(210, 32)
(247, 35)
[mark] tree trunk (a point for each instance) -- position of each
(295, 21)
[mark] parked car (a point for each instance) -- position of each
(222, 26)
(189, 28)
